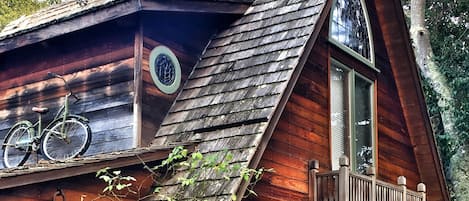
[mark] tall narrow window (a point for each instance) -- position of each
(351, 117)
(362, 153)
(350, 28)
(339, 113)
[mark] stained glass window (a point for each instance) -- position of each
(349, 27)
(165, 70)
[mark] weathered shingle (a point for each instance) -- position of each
(53, 15)
(235, 88)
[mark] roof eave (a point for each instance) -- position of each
(22, 176)
(410, 91)
(108, 12)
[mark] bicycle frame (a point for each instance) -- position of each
(62, 114)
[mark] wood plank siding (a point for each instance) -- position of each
(97, 62)
(303, 131)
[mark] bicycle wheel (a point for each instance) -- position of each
(17, 145)
(73, 141)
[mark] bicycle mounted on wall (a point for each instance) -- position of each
(65, 137)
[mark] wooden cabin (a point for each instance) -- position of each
(326, 93)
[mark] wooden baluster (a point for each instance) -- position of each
(344, 176)
(422, 189)
(313, 183)
(371, 171)
(401, 181)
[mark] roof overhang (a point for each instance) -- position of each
(43, 172)
(81, 18)
(409, 88)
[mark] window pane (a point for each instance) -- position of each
(363, 140)
(349, 26)
(339, 114)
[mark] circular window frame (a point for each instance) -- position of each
(167, 89)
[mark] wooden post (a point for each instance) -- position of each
(371, 172)
(138, 86)
(313, 183)
(401, 181)
(344, 177)
(422, 189)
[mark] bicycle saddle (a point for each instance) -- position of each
(41, 110)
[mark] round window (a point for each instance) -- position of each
(165, 69)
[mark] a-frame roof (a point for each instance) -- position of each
(238, 89)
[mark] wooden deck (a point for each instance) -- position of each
(343, 185)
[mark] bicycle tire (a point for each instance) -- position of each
(15, 154)
(56, 148)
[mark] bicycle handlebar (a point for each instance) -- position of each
(55, 75)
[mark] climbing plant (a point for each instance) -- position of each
(187, 168)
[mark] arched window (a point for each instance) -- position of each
(352, 99)
(350, 28)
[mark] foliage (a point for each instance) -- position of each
(13, 9)
(448, 24)
(189, 170)
(116, 182)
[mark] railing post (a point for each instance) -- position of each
(422, 189)
(344, 177)
(371, 172)
(313, 183)
(401, 181)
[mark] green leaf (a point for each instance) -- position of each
(129, 178)
(108, 188)
(229, 157)
(233, 197)
(197, 156)
(157, 190)
(102, 171)
(120, 186)
(105, 178)
(117, 172)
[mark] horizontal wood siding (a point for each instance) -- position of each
(97, 63)
(302, 133)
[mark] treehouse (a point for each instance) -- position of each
(326, 93)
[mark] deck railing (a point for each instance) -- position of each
(343, 185)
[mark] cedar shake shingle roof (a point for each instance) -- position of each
(235, 89)
(52, 15)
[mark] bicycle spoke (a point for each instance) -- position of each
(18, 146)
(75, 139)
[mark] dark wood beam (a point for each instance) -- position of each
(195, 6)
(49, 172)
